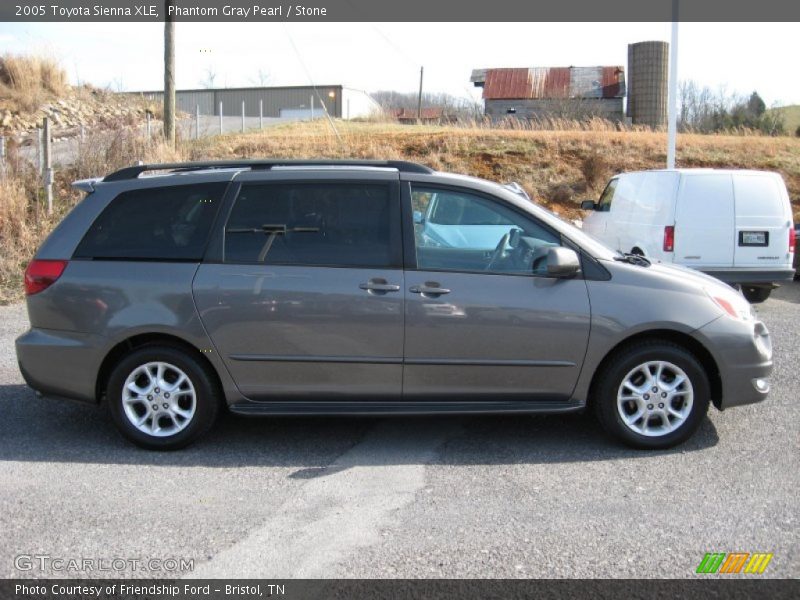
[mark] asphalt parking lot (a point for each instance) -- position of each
(428, 497)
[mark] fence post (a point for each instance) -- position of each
(242, 116)
(147, 116)
(48, 169)
(261, 114)
(83, 132)
(197, 121)
(39, 154)
(220, 117)
(311, 98)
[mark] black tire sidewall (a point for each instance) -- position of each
(756, 295)
(206, 397)
(629, 359)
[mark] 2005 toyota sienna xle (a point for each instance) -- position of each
(316, 288)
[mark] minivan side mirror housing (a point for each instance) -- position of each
(419, 218)
(562, 262)
(588, 205)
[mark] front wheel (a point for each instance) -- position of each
(162, 398)
(756, 294)
(652, 395)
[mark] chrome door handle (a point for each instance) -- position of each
(379, 286)
(428, 290)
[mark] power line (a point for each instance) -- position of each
(311, 80)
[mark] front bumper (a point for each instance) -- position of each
(751, 276)
(60, 363)
(743, 353)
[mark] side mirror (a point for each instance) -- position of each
(562, 262)
(419, 218)
(588, 205)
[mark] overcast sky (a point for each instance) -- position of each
(740, 57)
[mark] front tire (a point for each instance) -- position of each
(652, 395)
(162, 398)
(756, 294)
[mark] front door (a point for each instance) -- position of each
(307, 300)
(483, 319)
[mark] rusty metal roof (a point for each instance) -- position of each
(551, 82)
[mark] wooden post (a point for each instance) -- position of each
(242, 116)
(312, 106)
(197, 122)
(169, 79)
(261, 114)
(220, 117)
(48, 169)
(148, 128)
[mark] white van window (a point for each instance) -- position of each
(703, 194)
(757, 196)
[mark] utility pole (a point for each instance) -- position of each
(672, 108)
(419, 98)
(169, 76)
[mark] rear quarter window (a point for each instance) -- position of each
(167, 223)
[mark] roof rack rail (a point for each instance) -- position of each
(134, 171)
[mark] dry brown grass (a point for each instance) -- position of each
(28, 81)
(557, 168)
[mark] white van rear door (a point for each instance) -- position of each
(762, 221)
(704, 222)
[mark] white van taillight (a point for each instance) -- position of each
(41, 274)
(792, 239)
(669, 238)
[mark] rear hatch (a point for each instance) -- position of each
(763, 221)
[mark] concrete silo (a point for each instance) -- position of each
(648, 74)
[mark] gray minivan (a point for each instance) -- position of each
(278, 287)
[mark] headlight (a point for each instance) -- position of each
(733, 303)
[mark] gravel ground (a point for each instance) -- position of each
(438, 497)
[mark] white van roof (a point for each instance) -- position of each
(700, 171)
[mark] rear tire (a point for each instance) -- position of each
(652, 395)
(756, 294)
(162, 397)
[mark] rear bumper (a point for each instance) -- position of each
(745, 276)
(743, 353)
(60, 363)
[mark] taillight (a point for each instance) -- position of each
(41, 274)
(792, 239)
(669, 238)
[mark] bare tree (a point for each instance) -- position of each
(262, 78)
(208, 81)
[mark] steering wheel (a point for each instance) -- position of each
(500, 251)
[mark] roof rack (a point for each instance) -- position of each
(256, 164)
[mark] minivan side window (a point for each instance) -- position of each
(162, 223)
(330, 224)
(461, 231)
(607, 197)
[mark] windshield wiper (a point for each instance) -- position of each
(633, 259)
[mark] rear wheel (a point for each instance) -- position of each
(652, 395)
(756, 294)
(162, 398)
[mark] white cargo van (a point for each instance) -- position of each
(734, 225)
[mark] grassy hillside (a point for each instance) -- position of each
(791, 117)
(557, 168)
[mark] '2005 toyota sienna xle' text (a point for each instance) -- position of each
(315, 287)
